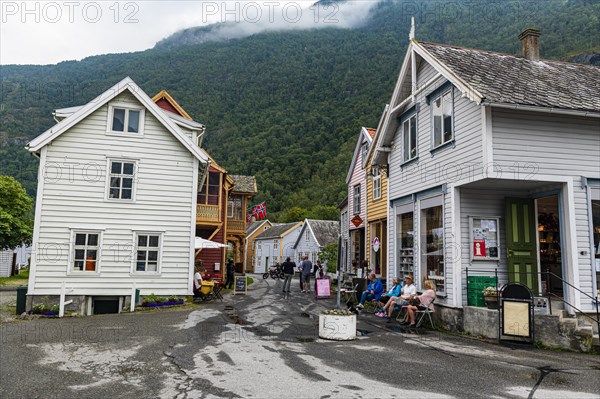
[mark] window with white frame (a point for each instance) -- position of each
(376, 183)
(364, 150)
(409, 139)
(86, 250)
(121, 179)
(307, 235)
(443, 127)
(356, 199)
(126, 120)
(275, 244)
(147, 250)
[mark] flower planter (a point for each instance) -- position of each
(337, 327)
(491, 302)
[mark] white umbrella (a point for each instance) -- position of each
(203, 243)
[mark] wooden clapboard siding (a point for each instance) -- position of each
(553, 145)
(163, 203)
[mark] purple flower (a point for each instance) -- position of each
(49, 313)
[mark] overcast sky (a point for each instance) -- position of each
(47, 32)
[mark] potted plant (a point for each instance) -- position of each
(491, 297)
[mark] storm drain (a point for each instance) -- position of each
(304, 314)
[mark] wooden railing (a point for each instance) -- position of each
(208, 213)
(236, 225)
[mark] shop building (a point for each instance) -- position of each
(494, 165)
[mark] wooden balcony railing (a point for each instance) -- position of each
(236, 225)
(207, 213)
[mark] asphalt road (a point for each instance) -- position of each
(264, 345)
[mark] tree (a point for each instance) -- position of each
(16, 225)
(294, 214)
(329, 255)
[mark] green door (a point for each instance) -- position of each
(521, 242)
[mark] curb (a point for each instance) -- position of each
(8, 288)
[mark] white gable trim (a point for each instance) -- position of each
(312, 233)
(415, 48)
(377, 138)
(363, 132)
(126, 84)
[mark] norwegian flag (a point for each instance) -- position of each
(261, 211)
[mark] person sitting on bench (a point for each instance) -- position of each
(374, 291)
(394, 291)
(419, 302)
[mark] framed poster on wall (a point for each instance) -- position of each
(485, 238)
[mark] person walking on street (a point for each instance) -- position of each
(306, 266)
(288, 271)
(230, 274)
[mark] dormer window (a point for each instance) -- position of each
(125, 120)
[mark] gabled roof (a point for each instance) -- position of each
(126, 84)
(364, 134)
(244, 184)
(495, 79)
(163, 95)
(278, 231)
(508, 79)
(255, 226)
(324, 232)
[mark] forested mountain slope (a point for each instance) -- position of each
(286, 106)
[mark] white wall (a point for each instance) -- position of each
(164, 203)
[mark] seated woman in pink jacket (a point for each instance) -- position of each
(425, 300)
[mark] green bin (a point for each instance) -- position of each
(21, 299)
(137, 296)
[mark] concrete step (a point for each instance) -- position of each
(595, 340)
(584, 331)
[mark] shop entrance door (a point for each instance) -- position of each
(549, 232)
(521, 242)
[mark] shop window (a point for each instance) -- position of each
(432, 245)
(405, 241)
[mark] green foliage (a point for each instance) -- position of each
(329, 255)
(16, 225)
(286, 106)
(45, 309)
(18, 279)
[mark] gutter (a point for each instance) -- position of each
(560, 111)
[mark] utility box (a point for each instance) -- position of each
(21, 299)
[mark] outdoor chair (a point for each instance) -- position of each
(371, 305)
(348, 293)
(421, 314)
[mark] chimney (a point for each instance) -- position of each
(530, 44)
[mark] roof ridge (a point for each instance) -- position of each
(507, 54)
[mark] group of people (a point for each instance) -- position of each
(398, 296)
(305, 268)
(199, 271)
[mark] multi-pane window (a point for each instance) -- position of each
(85, 251)
(147, 252)
(376, 183)
(409, 139)
(122, 175)
(275, 244)
(364, 150)
(234, 208)
(125, 120)
(307, 235)
(356, 199)
(209, 195)
(442, 119)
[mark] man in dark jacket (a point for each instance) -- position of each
(288, 271)
(230, 274)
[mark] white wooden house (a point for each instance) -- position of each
(494, 164)
(314, 236)
(116, 201)
(357, 200)
(275, 244)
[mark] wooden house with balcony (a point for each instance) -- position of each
(244, 188)
(222, 199)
